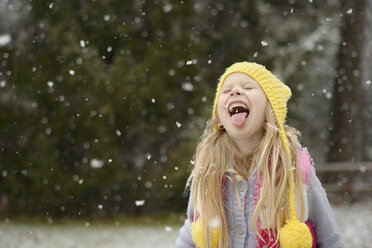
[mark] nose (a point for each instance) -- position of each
(235, 91)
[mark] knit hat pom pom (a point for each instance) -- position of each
(295, 234)
(197, 234)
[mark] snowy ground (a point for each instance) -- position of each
(355, 222)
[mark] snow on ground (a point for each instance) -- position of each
(355, 222)
(79, 236)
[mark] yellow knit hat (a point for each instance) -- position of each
(294, 233)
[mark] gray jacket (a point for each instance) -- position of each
(238, 222)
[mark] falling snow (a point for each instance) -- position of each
(96, 163)
(167, 8)
(148, 156)
(50, 84)
(140, 203)
(187, 86)
(215, 222)
(5, 39)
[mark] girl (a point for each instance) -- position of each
(252, 184)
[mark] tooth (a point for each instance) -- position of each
(237, 105)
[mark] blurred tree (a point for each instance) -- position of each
(105, 103)
(367, 76)
(347, 142)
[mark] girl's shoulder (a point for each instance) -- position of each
(305, 162)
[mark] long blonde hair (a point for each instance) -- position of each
(216, 151)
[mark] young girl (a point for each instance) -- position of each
(253, 185)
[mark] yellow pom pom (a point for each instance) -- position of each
(295, 234)
(197, 234)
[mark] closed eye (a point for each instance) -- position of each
(248, 88)
(226, 91)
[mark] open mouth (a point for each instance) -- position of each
(238, 113)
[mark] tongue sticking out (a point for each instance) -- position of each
(239, 119)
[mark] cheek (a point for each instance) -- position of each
(263, 110)
(220, 106)
(263, 106)
(262, 100)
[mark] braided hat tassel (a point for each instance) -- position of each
(294, 234)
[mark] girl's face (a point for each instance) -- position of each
(241, 106)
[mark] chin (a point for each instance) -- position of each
(239, 133)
